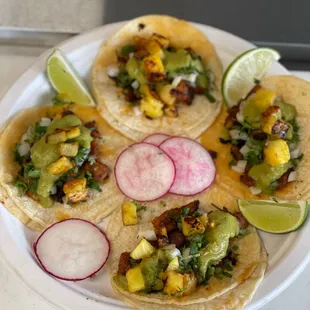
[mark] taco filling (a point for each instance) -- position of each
(57, 159)
(185, 249)
(155, 76)
(264, 137)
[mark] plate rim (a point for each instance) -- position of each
(70, 46)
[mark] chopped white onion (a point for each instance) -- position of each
(238, 135)
(176, 81)
(147, 234)
(292, 176)
(244, 150)
(295, 154)
(131, 55)
(45, 121)
(240, 117)
(137, 111)
(53, 190)
(26, 136)
(255, 190)
(23, 149)
(242, 164)
(135, 84)
(237, 169)
(191, 77)
(113, 71)
(173, 251)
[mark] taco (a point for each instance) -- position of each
(183, 256)
(55, 164)
(158, 74)
(262, 142)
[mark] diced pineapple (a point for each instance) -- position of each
(164, 42)
(276, 152)
(73, 132)
(151, 106)
(129, 213)
(76, 191)
(174, 264)
(57, 137)
(192, 225)
(60, 166)
(164, 93)
(68, 149)
(135, 280)
(174, 283)
(264, 98)
(75, 185)
(204, 219)
(190, 283)
(154, 68)
(142, 250)
(154, 48)
(171, 111)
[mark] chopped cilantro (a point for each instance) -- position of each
(81, 156)
(57, 101)
(123, 79)
(17, 157)
(227, 266)
(209, 96)
(91, 182)
(256, 81)
(235, 248)
(255, 154)
(141, 208)
(226, 274)
(127, 49)
(162, 203)
(234, 142)
(185, 211)
(38, 131)
(21, 186)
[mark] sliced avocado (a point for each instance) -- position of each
(134, 70)
(45, 183)
(202, 81)
(176, 60)
(43, 154)
(65, 122)
(265, 174)
(197, 64)
(84, 139)
(226, 227)
(288, 110)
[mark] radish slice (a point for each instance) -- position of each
(72, 250)
(195, 170)
(144, 172)
(156, 138)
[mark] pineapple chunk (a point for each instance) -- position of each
(190, 283)
(264, 98)
(60, 166)
(57, 137)
(75, 185)
(68, 149)
(129, 213)
(154, 48)
(192, 225)
(164, 42)
(174, 283)
(76, 191)
(164, 94)
(142, 250)
(135, 280)
(151, 106)
(73, 132)
(154, 68)
(276, 152)
(171, 111)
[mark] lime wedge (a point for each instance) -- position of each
(66, 81)
(244, 72)
(274, 216)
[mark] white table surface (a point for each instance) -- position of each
(15, 295)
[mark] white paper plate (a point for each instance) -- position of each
(288, 254)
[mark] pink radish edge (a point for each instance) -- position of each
(188, 195)
(156, 134)
(158, 149)
(66, 279)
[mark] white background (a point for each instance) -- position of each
(14, 295)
